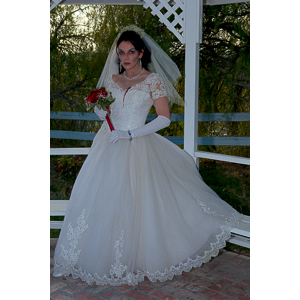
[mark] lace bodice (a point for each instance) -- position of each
(131, 107)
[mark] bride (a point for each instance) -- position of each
(139, 207)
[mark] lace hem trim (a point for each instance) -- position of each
(117, 272)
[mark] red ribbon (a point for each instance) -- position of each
(111, 127)
(125, 94)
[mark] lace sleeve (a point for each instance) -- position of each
(157, 87)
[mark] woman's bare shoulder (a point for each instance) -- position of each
(116, 77)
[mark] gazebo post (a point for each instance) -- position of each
(193, 21)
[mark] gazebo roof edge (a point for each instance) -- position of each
(134, 2)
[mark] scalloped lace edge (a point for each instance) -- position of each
(134, 278)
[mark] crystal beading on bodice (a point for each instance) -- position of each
(131, 111)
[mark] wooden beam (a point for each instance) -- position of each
(221, 2)
(136, 2)
(178, 140)
(109, 2)
(70, 151)
(192, 39)
(56, 224)
(202, 117)
(58, 207)
(200, 154)
(223, 157)
(72, 135)
(240, 235)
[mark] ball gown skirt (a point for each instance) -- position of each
(138, 209)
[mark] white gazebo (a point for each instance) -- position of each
(187, 27)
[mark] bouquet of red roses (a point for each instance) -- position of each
(102, 99)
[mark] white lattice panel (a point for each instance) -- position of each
(53, 3)
(171, 13)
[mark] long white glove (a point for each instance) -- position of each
(100, 113)
(158, 123)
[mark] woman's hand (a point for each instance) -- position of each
(117, 135)
(100, 113)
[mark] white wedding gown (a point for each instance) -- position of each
(139, 208)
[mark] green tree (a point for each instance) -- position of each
(224, 85)
(72, 55)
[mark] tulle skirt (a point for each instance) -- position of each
(139, 209)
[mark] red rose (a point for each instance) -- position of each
(92, 97)
(102, 92)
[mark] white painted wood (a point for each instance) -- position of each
(193, 9)
(85, 2)
(171, 7)
(136, 2)
(53, 3)
(221, 2)
(72, 115)
(199, 154)
(69, 151)
(243, 228)
(223, 157)
(241, 241)
(56, 224)
(202, 117)
(240, 235)
(58, 207)
(193, 20)
(178, 140)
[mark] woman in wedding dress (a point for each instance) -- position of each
(139, 207)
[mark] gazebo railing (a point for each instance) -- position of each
(178, 140)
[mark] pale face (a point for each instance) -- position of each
(129, 56)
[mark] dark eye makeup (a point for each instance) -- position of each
(131, 51)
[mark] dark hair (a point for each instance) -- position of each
(138, 43)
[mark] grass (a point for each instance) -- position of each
(54, 233)
(237, 249)
(230, 181)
